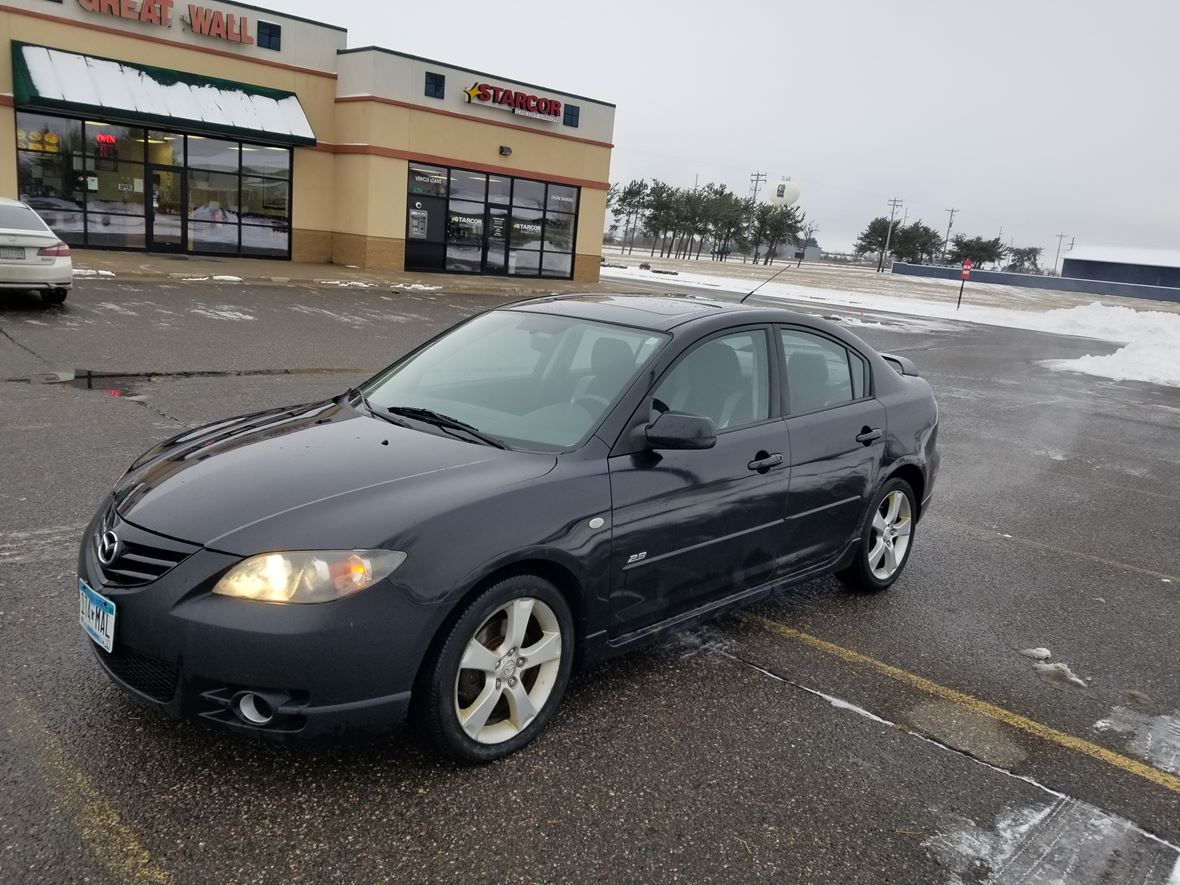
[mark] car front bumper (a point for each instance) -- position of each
(325, 669)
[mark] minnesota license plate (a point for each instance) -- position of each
(96, 614)
(12, 252)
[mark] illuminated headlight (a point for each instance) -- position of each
(308, 575)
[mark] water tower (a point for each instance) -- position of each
(784, 193)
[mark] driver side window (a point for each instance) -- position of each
(726, 379)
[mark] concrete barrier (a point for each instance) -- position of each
(1032, 281)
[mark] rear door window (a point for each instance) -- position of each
(20, 218)
(818, 372)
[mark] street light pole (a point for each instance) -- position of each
(894, 202)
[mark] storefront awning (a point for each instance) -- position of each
(55, 80)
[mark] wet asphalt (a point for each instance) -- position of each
(818, 737)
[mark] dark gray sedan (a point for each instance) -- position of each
(540, 487)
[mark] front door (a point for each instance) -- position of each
(496, 241)
(694, 526)
(167, 209)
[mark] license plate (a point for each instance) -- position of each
(12, 252)
(96, 614)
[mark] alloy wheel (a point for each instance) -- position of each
(892, 526)
(508, 670)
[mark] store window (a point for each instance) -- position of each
(270, 36)
(464, 221)
(436, 85)
(107, 185)
(572, 115)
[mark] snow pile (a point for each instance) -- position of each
(226, 278)
(415, 287)
(1151, 338)
(87, 272)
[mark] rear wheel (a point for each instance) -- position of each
(54, 296)
(886, 540)
(502, 670)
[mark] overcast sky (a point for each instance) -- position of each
(1037, 116)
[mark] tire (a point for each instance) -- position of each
(496, 704)
(886, 540)
(54, 296)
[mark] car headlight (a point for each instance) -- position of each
(308, 575)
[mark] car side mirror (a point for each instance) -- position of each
(678, 430)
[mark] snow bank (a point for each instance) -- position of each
(1151, 338)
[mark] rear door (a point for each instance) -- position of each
(693, 526)
(837, 433)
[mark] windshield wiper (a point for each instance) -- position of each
(360, 394)
(446, 422)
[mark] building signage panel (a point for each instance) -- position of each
(523, 104)
(201, 20)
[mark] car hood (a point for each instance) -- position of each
(324, 476)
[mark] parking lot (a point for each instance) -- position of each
(818, 737)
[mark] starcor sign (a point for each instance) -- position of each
(200, 19)
(523, 104)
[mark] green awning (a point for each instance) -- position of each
(55, 80)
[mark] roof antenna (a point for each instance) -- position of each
(786, 267)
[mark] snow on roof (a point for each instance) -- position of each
(1125, 255)
(111, 85)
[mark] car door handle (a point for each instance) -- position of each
(869, 435)
(764, 462)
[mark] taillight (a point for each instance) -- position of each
(58, 250)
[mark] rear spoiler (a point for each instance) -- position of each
(900, 364)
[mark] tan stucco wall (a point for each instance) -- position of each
(422, 132)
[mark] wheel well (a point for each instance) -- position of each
(557, 575)
(912, 475)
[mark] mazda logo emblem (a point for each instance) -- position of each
(108, 547)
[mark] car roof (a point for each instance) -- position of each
(9, 201)
(660, 313)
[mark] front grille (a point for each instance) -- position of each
(142, 556)
(153, 677)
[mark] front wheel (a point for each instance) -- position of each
(886, 540)
(502, 670)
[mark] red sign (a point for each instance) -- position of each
(200, 19)
(524, 104)
(967, 265)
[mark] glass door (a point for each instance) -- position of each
(167, 208)
(495, 259)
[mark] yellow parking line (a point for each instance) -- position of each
(105, 834)
(1031, 726)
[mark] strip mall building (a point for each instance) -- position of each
(226, 129)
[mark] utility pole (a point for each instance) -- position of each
(756, 181)
(946, 242)
(1057, 257)
(894, 202)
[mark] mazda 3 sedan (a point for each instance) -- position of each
(541, 487)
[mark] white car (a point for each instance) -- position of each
(31, 255)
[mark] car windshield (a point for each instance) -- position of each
(535, 381)
(20, 218)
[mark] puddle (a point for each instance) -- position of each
(123, 386)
